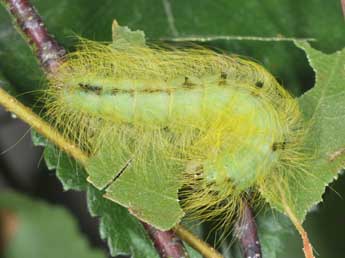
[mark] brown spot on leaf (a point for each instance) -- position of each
(334, 155)
(8, 227)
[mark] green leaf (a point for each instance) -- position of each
(192, 253)
(323, 106)
(154, 200)
(123, 36)
(124, 233)
(4, 84)
(70, 173)
(147, 187)
(274, 229)
(37, 230)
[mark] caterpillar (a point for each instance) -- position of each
(221, 125)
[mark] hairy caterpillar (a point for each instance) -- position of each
(221, 125)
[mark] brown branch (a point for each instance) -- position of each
(30, 24)
(246, 232)
(166, 243)
(342, 3)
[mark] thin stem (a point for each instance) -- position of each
(246, 232)
(166, 243)
(342, 3)
(199, 245)
(24, 113)
(30, 24)
(307, 247)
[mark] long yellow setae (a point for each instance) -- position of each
(222, 122)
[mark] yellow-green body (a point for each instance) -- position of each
(223, 122)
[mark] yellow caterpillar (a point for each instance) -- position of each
(222, 122)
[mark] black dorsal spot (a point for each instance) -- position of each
(187, 82)
(115, 91)
(223, 77)
(279, 146)
(90, 88)
(259, 84)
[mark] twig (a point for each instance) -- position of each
(30, 24)
(12, 105)
(166, 242)
(199, 245)
(342, 2)
(246, 232)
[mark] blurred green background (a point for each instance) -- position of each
(170, 19)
